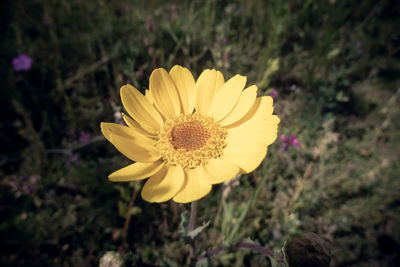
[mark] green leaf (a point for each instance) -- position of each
(184, 225)
(135, 210)
(333, 53)
(125, 193)
(198, 230)
(272, 67)
(184, 228)
(249, 240)
(204, 263)
(122, 209)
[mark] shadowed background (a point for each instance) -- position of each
(332, 68)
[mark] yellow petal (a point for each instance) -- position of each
(205, 90)
(108, 128)
(185, 84)
(227, 97)
(165, 94)
(262, 108)
(149, 96)
(243, 106)
(258, 125)
(135, 150)
(163, 185)
(219, 81)
(220, 170)
(245, 155)
(140, 109)
(136, 171)
(262, 131)
(139, 128)
(194, 187)
(117, 129)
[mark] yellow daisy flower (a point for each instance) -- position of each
(187, 135)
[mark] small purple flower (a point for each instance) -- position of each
(150, 50)
(231, 8)
(146, 41)
(23, 184)
(174, 13)
(22, 62)
(287, 142)
(117, 116)
(84, 137)
(30, 187)
(274, 93)
(294, 88)
(149, 24)
(226, 56)
(119, 119)
(73, 159)
(224, 40)
(294, 141)
(283, 138)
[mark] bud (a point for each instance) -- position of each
(307, 249)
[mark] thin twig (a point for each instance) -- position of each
(127, 221)
(254, 247)
(82, 71)
(69, 150)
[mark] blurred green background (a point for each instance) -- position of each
(333, 69)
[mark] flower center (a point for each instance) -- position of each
(189, 136)
(191, 140)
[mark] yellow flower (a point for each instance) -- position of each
(187, 135)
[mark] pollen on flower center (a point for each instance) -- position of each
(189, 136)
(191, 140)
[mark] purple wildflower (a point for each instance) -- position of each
(150, 50)
(287, 142)
(274, 93)
(226, 56)
(224, 40)
(146, 41)
(283, 138)
(118, 118)
(174, 13)
(231, 8)
(84, 137)
(22, 62)
(23, 184)
(73, 159)
(149, 24)
(294, 141)
(31, 184)
(294, 88)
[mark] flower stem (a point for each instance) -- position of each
(192, 225)
(246, 210)
(193, 215)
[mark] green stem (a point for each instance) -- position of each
(246, 210)
(193, 215)
(192, 225)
